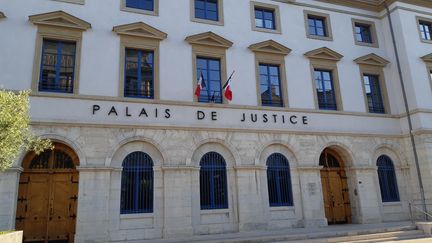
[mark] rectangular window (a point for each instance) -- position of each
(264, 18)
(363, 33)
(57, 66)
(140, 4)
(139, 74)
(210, 69)
(317, 26)
(373, 93)
(425, 30)
(207, 9)
(325, 90)
(270, 85)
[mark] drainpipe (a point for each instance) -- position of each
(402, 83)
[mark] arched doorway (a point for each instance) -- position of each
(335, 188)
(48, 196)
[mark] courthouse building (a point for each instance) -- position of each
(330, 120)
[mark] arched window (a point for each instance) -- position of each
(387, 179)
(213, 182)
(279, 181)
(137, 184)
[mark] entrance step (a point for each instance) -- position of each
(361, 233)
(369, 238)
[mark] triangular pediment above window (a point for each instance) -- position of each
(2, 15)
(373, 60)
(209, 39)
(427, 58)
(140, 29)
(270, 46)
(60, 19)
(324, 53)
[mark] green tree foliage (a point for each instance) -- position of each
(15, 133)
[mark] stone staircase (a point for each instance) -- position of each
(393, 236)
(384, 232)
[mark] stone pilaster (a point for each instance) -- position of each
(177, 201)
(366, 194)
(9, 182)
(252, 207)
(312, 197)
(93, 205)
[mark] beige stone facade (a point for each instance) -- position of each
(176, 155)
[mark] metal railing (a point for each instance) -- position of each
(418, 213)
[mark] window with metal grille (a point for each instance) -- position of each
(363, 33)
(325, 90)
(207, 9)
(213, 182)
(270, 85)
(317, 26)
(57, 66)
(140, 4)
(279, 181)
(137, 184)
(139, 74)
(387, 179)
(265, 18)
(425, 30)
(210, 69)
(373, 93)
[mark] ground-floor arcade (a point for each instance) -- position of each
(332, 179)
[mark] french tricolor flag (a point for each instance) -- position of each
(201, 85)
(227, 88)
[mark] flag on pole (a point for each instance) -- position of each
(201, 85)
(227, 88)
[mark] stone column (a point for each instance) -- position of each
(312, 196)
(366, 193)
(93, 205)
(177, 201)
(252, 207)
(9, 183)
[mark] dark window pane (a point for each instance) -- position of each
(57, 66)
(387, 179)
(264, 18)
(270, 86)
(140, 4)
(317, 26)
(363, 33)
(325, 90)
(207, 9)
(426, 30)
(213, 182)
(139, 74)
(212, 87)
(279, 181)
(137, 184)
(373, 93)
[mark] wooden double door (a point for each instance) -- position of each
(335, 189)
(47, 199)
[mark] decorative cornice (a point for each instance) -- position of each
(372, 59)
(271, 47)
(376, 5)
(60, 19)
(140, 29)
(427, 58)
(209, 39)
(324, 53)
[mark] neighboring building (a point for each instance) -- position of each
(316, 133)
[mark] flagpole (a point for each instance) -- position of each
(226, 83)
